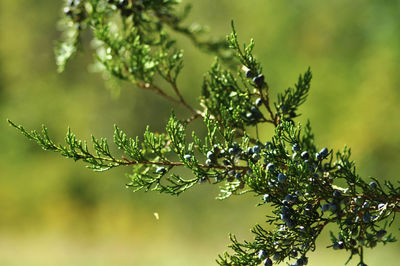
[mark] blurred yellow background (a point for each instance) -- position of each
(55, 212)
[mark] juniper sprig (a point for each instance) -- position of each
(308, 187)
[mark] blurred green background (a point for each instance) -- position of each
(56, 212)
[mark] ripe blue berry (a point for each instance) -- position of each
(267, 262)
(268, 145)
(256, 112)
(366, 217)
(259, 80)
(381, 233)
(337, 194)
(161, 170)
(266, 197)
(300, 262)
(249, 74)
(294, 253)
(258, 101)
(238, 176)
(216, 148)
(270, 167)
(373, 185)
(249, 151)
(281, 177)
(285, 210)
(256, 156)
(296, 147)
(226, 162)
(256, 149)
(262, 254)
(305, 155)
(322, 154)
(291, 198)
(209, 162)
(285, 217)
(210, 155)
(187, 156)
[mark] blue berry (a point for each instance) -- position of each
(203, 179)
(256, 156)
(249, 116)
(305, 155)
(300, 262)
(210, 155)
(161, 170)
(285, 210)
(249, 74)
(216, 148)
(226, 162)
(285, 217)
(267, 262)
(381, 233)
(262, 254)
(296, 147)
(338, 245)
(322, 154)
(249, 151)
(256, 112)
(266, 197)
(187, 156)
(238, 176)
(365, 205)
(258, 102)
(366, 217)
(373, 185)
(281, 177)
(268, 145)
(259, 80)
(256, 149)
(337, 194)
(294, 253)
(292, 198)
(209, 162)
(381, 205)
(270, 167)
(335, 246)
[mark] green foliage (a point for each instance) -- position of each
(308, 187)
